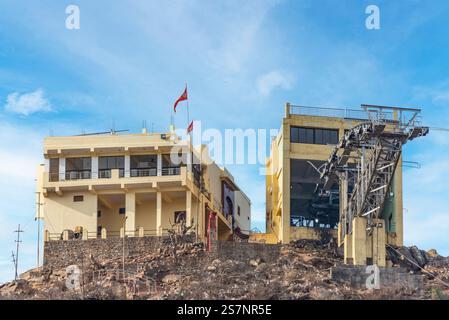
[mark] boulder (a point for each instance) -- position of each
(171, 278)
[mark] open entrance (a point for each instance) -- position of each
(111, 213)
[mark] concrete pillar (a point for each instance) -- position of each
(94, 169)
(115, 174)
(347, 246)
(130, 210)
(189, 158)
(159, 164)
(127, 166)
(104, 233)
(339, 231)
(159, 213)
(47, 165)
(287, 110)
(378, 243)
(343, 203)
(122, 232)
(61, 169)
(141, 232)
(359, 241)
(85, 234)
(285, 180)
(46, 235)
(65, 235)
(188, 208)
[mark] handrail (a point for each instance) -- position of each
(143, 172)
(171, 171)
(107, 173)
(77, 174)
(344, 113)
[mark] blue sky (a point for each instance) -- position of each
(242, 60)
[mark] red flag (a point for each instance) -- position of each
(190, 127)
(181, 98)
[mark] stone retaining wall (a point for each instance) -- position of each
(246, 251)
(62, 253)
(356, 276)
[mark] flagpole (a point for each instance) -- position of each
(188, 118)
(191, 160)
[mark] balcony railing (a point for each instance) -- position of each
(390, 115)
(107, 173)
(338, 113)
(77, 174)
(171, 171)
(147, 172)
(52, 176)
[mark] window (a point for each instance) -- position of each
(106, 164)
(78, 164)
(111, 163)
(99, 230)
(54, 169)
(144, 161)
(180, 216)
(99, 214)
(294, 134)
(122, 211)
(78, 168)
(305, 135)
(78, 198)
(144, 165)
(238, 210)
(319, 136)
(313, 135)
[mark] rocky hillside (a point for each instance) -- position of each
(186, 271)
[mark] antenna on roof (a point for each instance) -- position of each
(112, 131)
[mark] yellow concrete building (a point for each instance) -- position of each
(304, 143)
(136, 185)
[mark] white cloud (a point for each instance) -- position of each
(272, 80)
(426, 217)
(438, 93)
(27, 103)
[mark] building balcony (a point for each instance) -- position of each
(115, 178)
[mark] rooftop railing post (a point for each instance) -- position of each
(287, 109)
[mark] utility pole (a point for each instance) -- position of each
(123, 253)
(123, 250)
(38, 227)
(18, 241)
(13, 258)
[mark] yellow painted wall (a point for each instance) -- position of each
(110, 218)
(61, 212)
(298, 233)
(146, 215)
